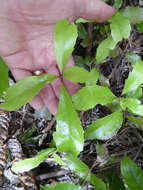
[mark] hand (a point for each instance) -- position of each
(26, 38)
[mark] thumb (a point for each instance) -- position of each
(94, 10)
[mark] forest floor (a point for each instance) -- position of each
(128, 140)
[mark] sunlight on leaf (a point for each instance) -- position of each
(30, 163)
(24, 91)
(105, 128)
(65, 36)
(120, 27)
(69, 133)
(135, 78)
(89, 96)
(133, 105)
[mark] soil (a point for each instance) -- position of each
(128, 140)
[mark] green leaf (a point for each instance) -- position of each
(78, 74)
(61, 186)
(30, 163)
(117, 4)
(135, 78)
(137, 121)
(82, 170)
(105, 127)
(82, 20)
(104, 48)
(65, 35)
(89, 96)
(23, 91)
(115, 181)
(140, 27)
(135, 94)
(132, 174)
(58, 159)
(120, 27)
(134, 14)
(27, 134)
(133, 105)
(82, 34)
(133, 57)
(4, 81)
(69, 133)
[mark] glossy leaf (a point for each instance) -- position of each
(30, 163)
(78, 74)
(65, 35)
(135, 78)
(24, 91)
(137, 121)
(135, 94)
(69, 133)
(120, 27)
(133, 105)
(89, 96)
(82, 170)
(115, 181)
(105, 127)
(61, 186)
(4, 79)
(104, 48)
(134, 14)
(132, 174)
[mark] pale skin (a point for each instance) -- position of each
(26, 38)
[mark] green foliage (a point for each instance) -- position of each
(104, 49)
(133, 58)
(134, 14)
(65, 35)
(4, 80)
(120, 27)
(132, 174)
(30, 163)
(117, 3)
(115, 181)
(140, 27)
(105, 128)
(135, 78)
(69, 133)
(135, 94)
(96, 95)
(82, 170)
(23, 91)
(133, 105)
(58, 159)
(77, 74)
(61, 186)
(137, 121)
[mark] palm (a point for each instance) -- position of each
(26, 35)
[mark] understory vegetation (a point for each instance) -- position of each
(95, 139)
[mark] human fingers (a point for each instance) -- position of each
(19, 74)
(94, 10)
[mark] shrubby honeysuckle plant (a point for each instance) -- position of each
(69, 135)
